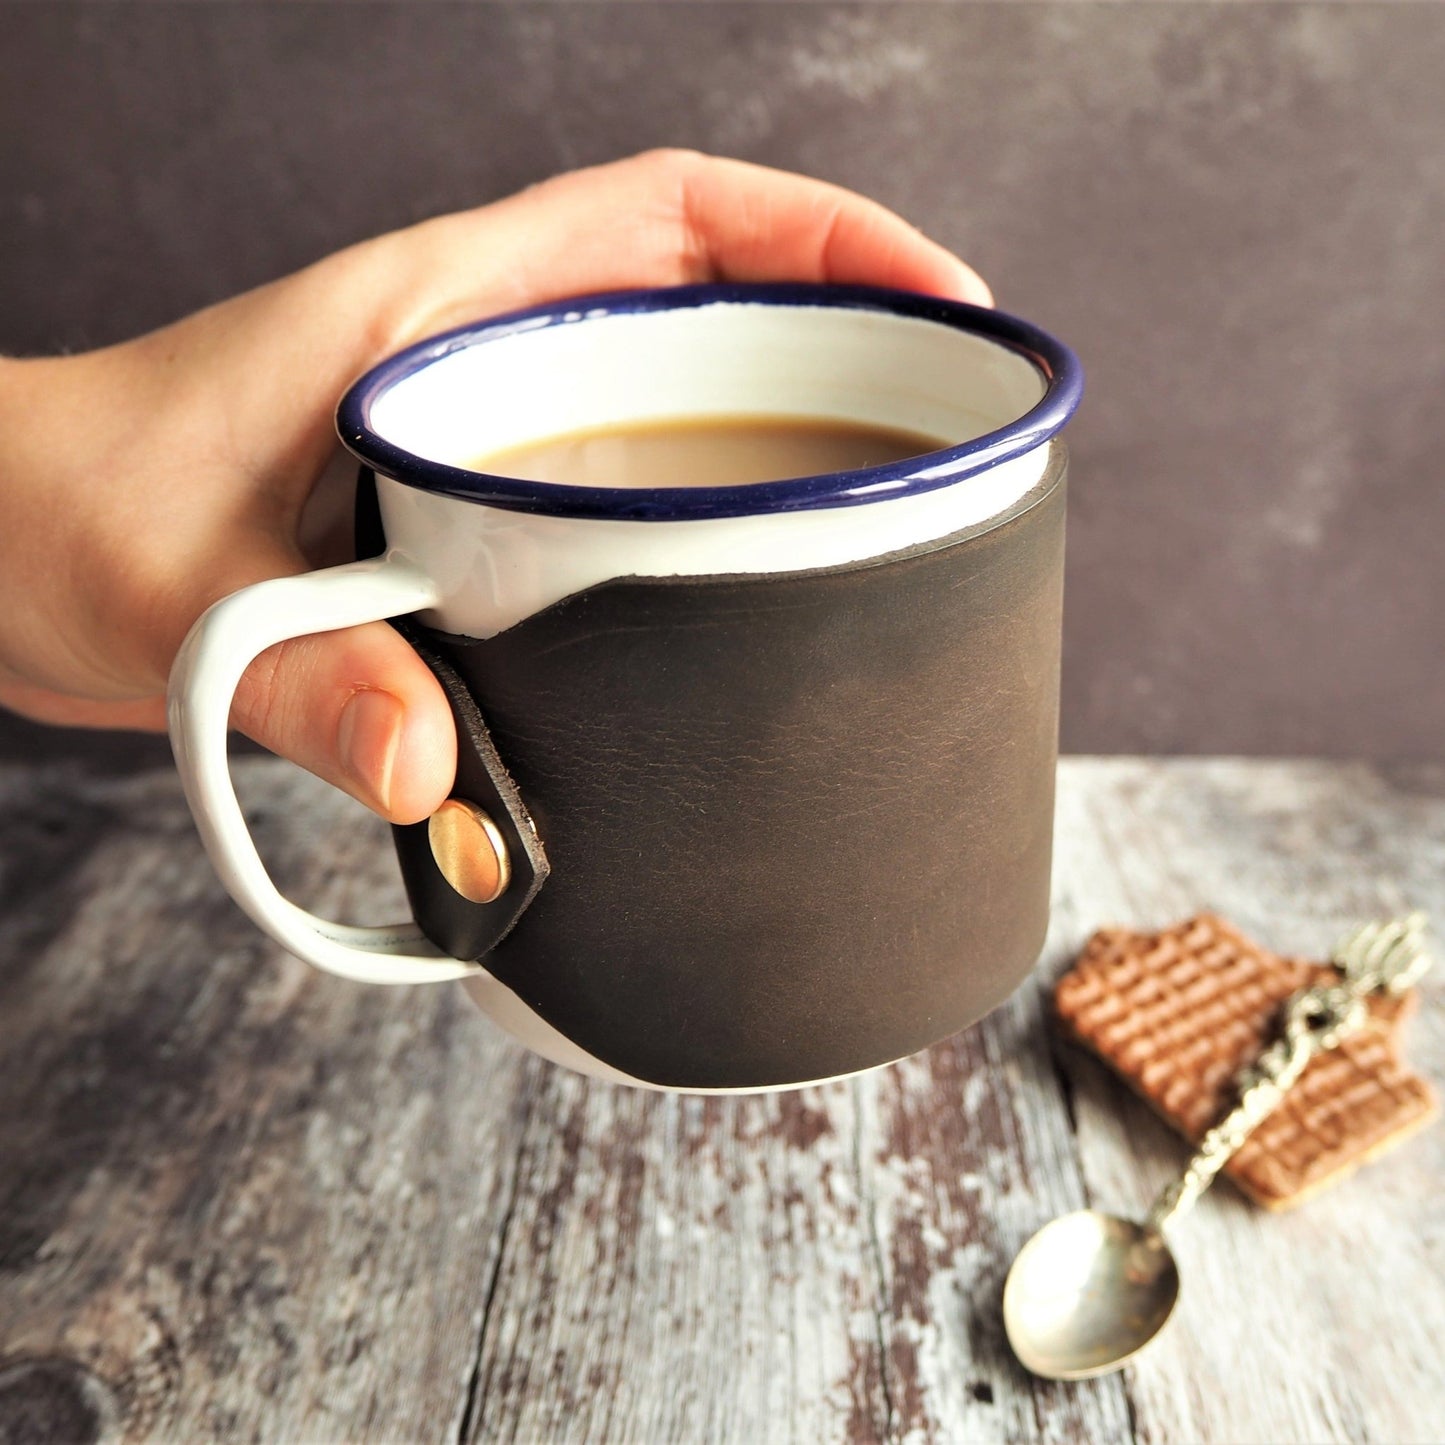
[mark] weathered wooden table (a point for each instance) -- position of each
(240, 1200)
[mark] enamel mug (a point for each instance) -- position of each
(755, 782)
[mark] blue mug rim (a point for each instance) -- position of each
(1063, 376)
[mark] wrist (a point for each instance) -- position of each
(63, 442)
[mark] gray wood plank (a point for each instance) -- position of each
(243, 1201)
(259, 1203)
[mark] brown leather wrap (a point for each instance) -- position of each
(798, 824)
(465, 929)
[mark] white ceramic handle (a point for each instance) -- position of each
(203, 681)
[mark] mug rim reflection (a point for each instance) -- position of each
(1058, 366)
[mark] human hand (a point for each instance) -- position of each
(142, 482)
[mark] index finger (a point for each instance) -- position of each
(758, 224)
(666, 218)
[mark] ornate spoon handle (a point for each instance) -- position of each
(1316, 1020)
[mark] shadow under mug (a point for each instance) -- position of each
(755, 783)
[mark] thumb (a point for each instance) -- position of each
(358, 708)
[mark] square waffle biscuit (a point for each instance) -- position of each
(1179, 1013)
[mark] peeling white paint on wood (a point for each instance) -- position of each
(243, 1201)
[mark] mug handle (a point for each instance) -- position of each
(203, 680)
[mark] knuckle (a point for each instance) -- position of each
(671, 163)
(260, 708)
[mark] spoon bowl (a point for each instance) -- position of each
(1086, 1293)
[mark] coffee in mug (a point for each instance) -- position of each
(707, 452)
(755, 777)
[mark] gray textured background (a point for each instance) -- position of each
(1234, 212)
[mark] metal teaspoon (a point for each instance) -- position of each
(1090, 1290)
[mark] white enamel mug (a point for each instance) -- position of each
(473, 556)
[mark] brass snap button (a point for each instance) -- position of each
(469, 850)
